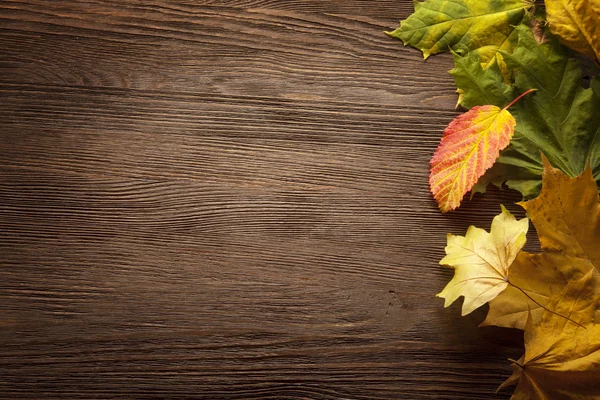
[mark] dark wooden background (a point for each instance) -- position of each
(228, 199)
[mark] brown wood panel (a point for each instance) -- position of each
(279, 50)
(228, 199)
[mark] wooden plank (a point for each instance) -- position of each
(271, 52)
(228, 199)
(271, 142)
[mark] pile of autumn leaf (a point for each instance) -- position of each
(508, 54)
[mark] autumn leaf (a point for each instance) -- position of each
(566, 216)
(562, 356)
(481, 260)
(561, 120)
(577, 24)
(470, 145)
(480, 26)
(553, 295)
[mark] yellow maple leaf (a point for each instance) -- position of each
(481, 260)
(553, 295)
(566, 216)
(576, 23)
(562, 356)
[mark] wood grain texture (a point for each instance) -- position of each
(228, 200)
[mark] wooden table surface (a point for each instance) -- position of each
(228, 200)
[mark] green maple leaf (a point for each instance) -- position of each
(480, 26)
(560, 119)
(478, 85)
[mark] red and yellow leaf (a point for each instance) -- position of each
(470, 145)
